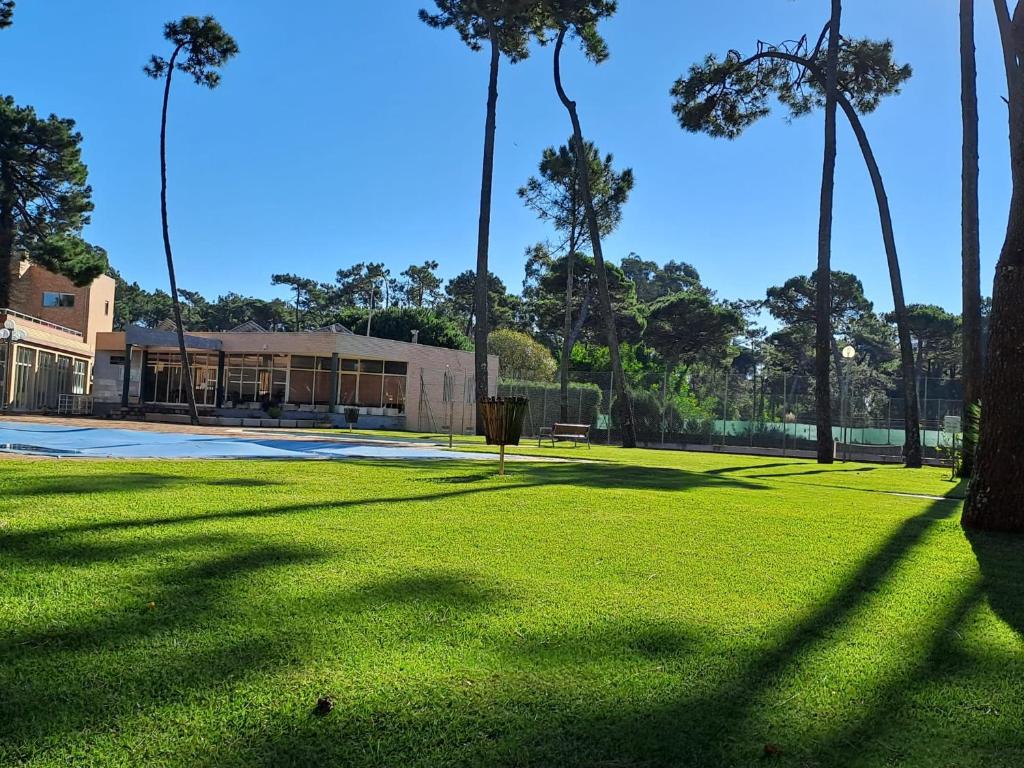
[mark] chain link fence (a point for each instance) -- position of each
(768, 410)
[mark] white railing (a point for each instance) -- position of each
(40, 321)
(74, 405)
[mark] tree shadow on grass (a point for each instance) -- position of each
(783, 475)
(515, 719)
(1001, 560)
(61, 484)
(523, 474)
(154, 646)
(772, 465)
(556, 719)
(604, 475)
(438, 586)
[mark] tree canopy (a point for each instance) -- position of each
(653, 281)
(206, 47)
(521, 356)
(554, 194)
(688, 326)
(45, 197)
(513, 21)
(723, 97)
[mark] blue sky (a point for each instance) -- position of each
(349, 132)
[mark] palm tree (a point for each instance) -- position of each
(203, 46)
(970, 228)
(581, 18)
(504, 26)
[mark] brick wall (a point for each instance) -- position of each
(93, 310)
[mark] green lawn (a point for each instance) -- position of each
(641, 609)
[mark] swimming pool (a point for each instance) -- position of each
(63, 441)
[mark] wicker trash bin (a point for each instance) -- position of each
(503, 423)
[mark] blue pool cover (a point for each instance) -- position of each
(57, 440)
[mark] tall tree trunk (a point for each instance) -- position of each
(996, 497)
(567, 340)
(625, 407)
(6, 239)
(970, 230)
(480, 293)
(823, 274)
(912, 443)
(186, 369)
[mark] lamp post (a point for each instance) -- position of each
(849, 353)
(9, 335)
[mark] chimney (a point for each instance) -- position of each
(415, 337)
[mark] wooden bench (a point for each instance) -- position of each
(578, 433)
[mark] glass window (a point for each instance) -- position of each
(349, 365)
(371, 366)
(53, 299)
(163, 380)
(24, 377)
(399, 369)
(348, 385)
(303, 362)
(371, 390)
(394, 392)
(301, 387)
(79, 371)
(322, 388)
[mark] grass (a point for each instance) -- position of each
(641, 609)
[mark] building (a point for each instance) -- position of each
(70, 357)
(60, 322)
(250, 375)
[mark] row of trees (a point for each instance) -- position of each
(831, 73)
(665, 315)
(45, 203)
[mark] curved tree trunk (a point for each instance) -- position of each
(996, 498)
(186, 369)
(970, 229)
(480, 294)
(625, 407)
(823, 274)
(912, 444)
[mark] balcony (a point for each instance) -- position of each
(77, 335)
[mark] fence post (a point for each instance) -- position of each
(611, 391)
(664, 404)
(924, 416)
(753, 406)
(725, 407)
(785, 406)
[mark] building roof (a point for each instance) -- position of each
(249, 326)
(138, 336)
(334, 328)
